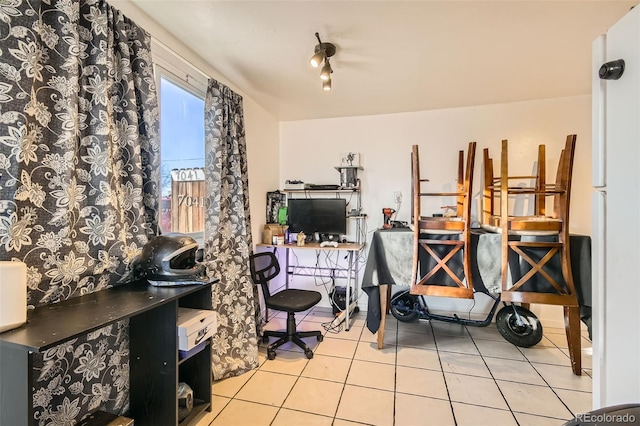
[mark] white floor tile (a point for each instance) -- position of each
(489, 332)
(314, 396)
(535, 420)
(463, 345)
(473, 415)
(586, 357)
(546, 355)
(418, 358)
(372, 375)
(415, 327)
(243, 413)
(448, 329)
(336, 347)
(515, 371)
(495, 349)
(329, 368)
(286, 363)
(230, 386)
(532, 399)
(412, 410)
(428, 373)
(471, 365)
(559, 377)
(416, 381)
(267, 388)
(578, 402)
(474, 390)
(370, 352)
(364, 405)
(291, 417)
(417, 340)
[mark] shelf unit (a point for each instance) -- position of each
(153, 346)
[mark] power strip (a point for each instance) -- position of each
(338, 320)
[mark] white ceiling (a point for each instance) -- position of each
(393, 56)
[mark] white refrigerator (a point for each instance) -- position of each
(616, 214)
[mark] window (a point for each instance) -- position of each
(181, 154)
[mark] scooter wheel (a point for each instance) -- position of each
(404, 306)
(524, 333)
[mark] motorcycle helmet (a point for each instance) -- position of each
(170, 260)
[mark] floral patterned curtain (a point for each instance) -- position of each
(228, 233)
(78, 144)
(79, 172)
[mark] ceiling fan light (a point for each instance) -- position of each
(317, 58)
(326, 85)
(325, 74)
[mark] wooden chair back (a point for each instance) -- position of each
(490, 217)
(543, 223)
(426, 228)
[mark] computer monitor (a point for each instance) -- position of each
(326, 216)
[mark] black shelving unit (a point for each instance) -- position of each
(155, 370)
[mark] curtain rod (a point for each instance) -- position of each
(181, 58)
(220, 78)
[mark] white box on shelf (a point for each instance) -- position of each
(290, 186)
(194, 327)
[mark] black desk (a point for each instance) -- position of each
(391, 255)
(153, 345)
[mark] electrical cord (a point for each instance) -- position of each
(473, 305)
(395, 214)
(331, 328)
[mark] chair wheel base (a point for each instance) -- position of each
(271, 355)
(320, 338)
(265, 339)
(309, 353)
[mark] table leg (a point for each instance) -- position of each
(286, 268)
(388, 310)
(383, 313)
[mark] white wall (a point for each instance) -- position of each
(310, 149)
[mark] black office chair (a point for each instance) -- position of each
(264, 267)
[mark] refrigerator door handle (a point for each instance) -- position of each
(598, 116)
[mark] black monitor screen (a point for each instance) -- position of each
(321, 215)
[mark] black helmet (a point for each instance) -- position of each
(170, 260)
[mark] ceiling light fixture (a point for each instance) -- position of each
(325, 74)
(322, 53)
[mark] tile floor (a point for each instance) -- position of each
(429, 373)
